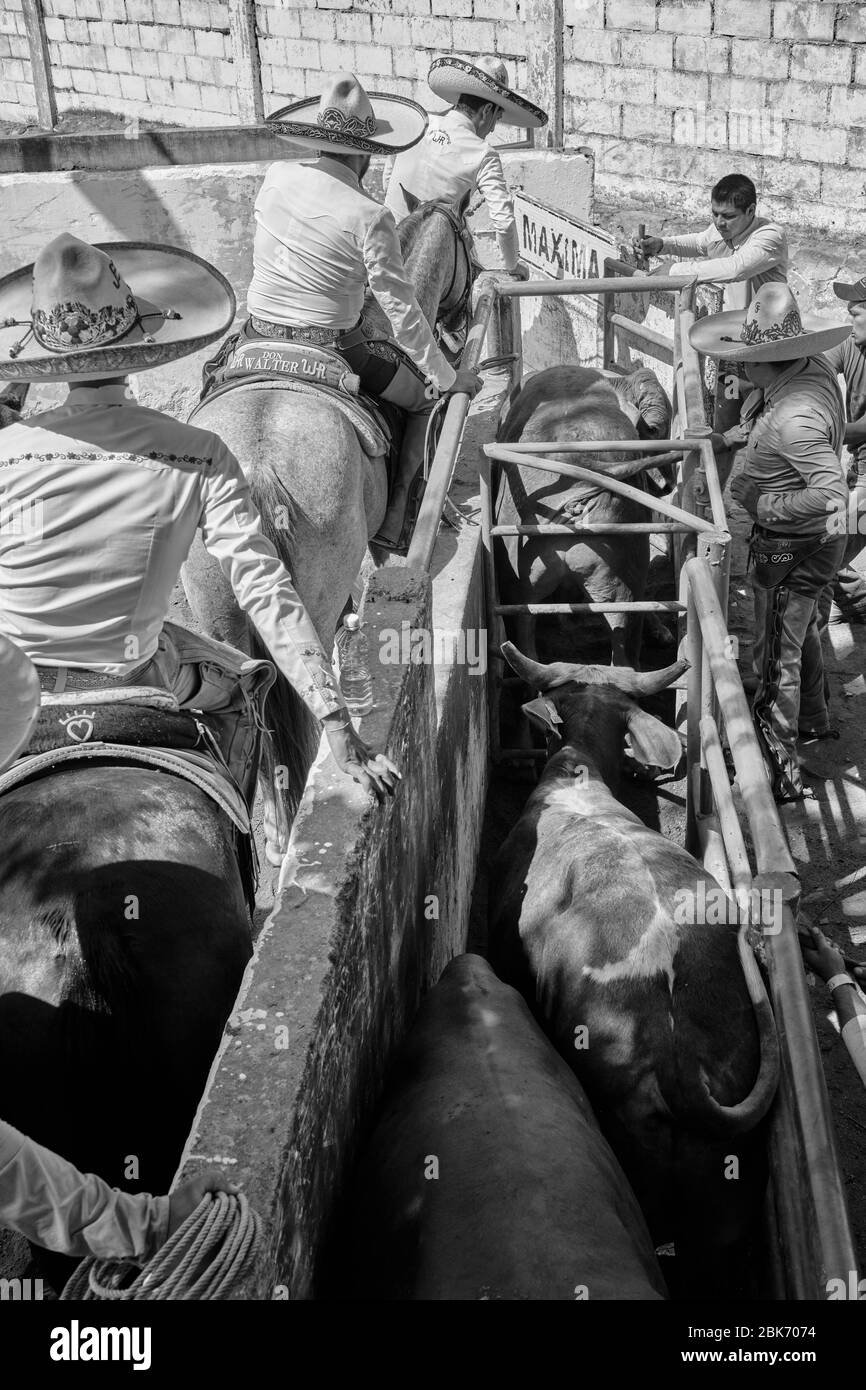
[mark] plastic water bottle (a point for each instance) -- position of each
(356, 681)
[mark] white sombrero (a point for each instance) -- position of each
(20, 698)
(772, 329)
(347, 120)
(95, 311)
(451, 78)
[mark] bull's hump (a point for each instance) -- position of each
(580, 795)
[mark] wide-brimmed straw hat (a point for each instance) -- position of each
(347, 120)
(772, 329)
(451, 78)
(854, 294)
(94, 311)
(20, 698)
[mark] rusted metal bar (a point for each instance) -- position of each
(729, 822)
(694, 680)
(586, 475)
(771, 847)
(491, 594)
(643, 606)
(594, 528)
(637, 284)
(644, 334)
(427, 526)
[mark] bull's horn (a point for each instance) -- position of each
(531, 671)
(651, 682)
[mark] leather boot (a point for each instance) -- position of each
(408, 486)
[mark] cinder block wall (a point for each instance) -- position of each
(671, 94)
(172, 60)
(668, 94)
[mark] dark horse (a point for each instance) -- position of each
(320, 496)
(124, 931)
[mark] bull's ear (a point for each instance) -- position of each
(652, 742)
(543, 714)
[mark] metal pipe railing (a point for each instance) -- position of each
(426, 530)
(610, 284)
(586, 475)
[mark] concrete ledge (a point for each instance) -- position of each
(375, 902)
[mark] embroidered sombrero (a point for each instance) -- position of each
(20, 698)
(347, 120)
(855, 294)
(451, 78)
(93, 311)
(772, 329)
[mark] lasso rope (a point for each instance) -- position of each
(211, 1252)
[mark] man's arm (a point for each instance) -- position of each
(490, 181)
(390, 285)
(689, 244)
(828, 962)
(232, 532)
(803, 440)
(762, 251)
(46, 1199)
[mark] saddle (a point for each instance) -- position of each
(307, 369)
(86, 725)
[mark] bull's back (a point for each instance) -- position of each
(487, 1176)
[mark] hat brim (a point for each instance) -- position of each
(400, 124)
(451, 78)
(854, 294)
(718, 335)
(20, 699)
(159, 276)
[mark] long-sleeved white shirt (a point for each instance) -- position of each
(449, 161)
(759, 254)
(46, 1199)
(319, 240)
(99, 504)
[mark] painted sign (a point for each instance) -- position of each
(563, 247)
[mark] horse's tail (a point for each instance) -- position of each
(295, 731)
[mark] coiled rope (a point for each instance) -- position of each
(213, 1250)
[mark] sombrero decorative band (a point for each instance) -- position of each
(453, 77)
(87, 310)
(333, 119)
(790, 327)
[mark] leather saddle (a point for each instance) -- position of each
(306, 369)
(148, 729)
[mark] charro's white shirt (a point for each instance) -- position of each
(99, 504)
(319, 240)
(449, 161)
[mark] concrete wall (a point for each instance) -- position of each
(374, 904)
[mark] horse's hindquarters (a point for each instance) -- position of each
(123, 938)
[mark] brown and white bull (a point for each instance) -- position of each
(572, 403)
(664, 1018)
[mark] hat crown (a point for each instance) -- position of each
(345, 107)
(493, 67)
(772, 315)
(79, 299)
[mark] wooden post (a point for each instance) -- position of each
(544, 67)
(46, 105)
(245, 53)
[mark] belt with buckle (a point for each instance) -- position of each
(321, 336)
(55, 679)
